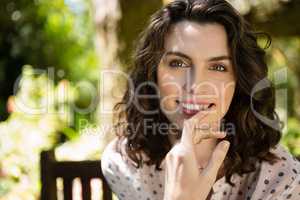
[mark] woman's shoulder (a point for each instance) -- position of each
(117, 170)
(114, 157)
(282, 178)
(287, 162)
(120, 172)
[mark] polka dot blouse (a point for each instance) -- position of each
(269, 182)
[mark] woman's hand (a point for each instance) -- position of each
(183, 179)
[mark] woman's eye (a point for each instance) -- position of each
(177, 63)
(218, 67)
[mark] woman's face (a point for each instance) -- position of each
(195, 72)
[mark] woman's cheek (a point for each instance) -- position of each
(169, 87)
(225, 97)
(167, 101)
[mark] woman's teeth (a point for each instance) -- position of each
(195, 106)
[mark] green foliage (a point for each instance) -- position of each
(36, 122)
(69, 38)
(291, 139)
(44, 34)
(48, 35)
(284, 55)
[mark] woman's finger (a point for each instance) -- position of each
(200, 135)
(217, 159)
(188, 129)
(211, 116)
(207, 130)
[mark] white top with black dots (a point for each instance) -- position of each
(269, 182)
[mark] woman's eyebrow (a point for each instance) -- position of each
(216, 58)
(177, 53)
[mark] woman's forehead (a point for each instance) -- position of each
(197, 39)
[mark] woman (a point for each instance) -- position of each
(190, 126)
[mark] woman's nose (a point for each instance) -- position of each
(196, 82)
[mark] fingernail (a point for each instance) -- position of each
(225, 145)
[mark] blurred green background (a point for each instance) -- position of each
(52, 53)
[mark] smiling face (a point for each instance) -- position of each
(195, 72)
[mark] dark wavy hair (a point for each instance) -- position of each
(253, 139)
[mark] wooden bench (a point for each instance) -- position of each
(51, 169)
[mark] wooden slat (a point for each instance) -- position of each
(67, 182)
(48, 180)
(107, 193)
(68, 171)
(73, 169)
(86, 188)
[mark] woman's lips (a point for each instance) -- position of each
(189, 112)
